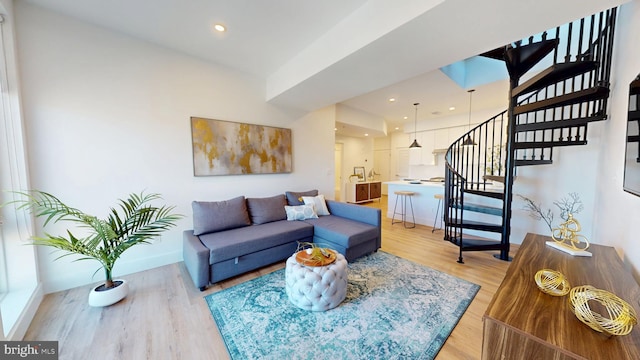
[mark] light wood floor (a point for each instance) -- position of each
(165, 317)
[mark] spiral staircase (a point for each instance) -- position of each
(548, 108)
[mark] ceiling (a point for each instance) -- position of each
(358, 53)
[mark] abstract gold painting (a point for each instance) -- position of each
(231, 148)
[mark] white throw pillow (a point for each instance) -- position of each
(300, 212)
(319, 202)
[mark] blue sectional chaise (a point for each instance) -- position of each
(242, 234)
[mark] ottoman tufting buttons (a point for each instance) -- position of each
(316, 288)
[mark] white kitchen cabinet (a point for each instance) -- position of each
(424, 154)
(456, 132)
(441, 139)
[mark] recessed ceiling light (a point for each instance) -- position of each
(335, 129)
(392, 99)
(451, 108)
(397, 128)
(366, 134)
(406, 117)
(220, 27)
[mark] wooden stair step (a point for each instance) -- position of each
(547, 144)
(484, 209)
(559, 124)
(554, 74)
(475, 225)
(491, 194)
(493, 178)
(590, 94)
(522, 58)
(532, 162)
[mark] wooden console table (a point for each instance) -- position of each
(522, 322)
(363, 191)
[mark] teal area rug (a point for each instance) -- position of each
(395, 309)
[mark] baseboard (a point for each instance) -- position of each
(122, 268)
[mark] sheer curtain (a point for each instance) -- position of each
(21, 292)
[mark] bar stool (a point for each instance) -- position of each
(403, 195)
(439, 197)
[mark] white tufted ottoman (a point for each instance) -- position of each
(316, 288)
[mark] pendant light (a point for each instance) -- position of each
(415, 130)
(468, 141)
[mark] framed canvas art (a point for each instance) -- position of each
(231, 148)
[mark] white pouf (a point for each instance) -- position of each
(316, 288)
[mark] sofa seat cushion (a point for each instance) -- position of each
(345, 232)
(225, 245)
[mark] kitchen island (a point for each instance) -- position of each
(424, 203)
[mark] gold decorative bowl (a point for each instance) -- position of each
(552, 282)
(621, 318)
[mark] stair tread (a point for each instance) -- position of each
(497, 178)
(497, 53)
(472, 244)
(532, 162)
(475, 225)
(593, 93)
(487, 193)
(485, 209)
(521, 59)
(559, 124)
(554, 74)
(547, 144)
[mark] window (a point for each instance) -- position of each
(18, 268)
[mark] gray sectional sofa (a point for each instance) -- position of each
(235, 236)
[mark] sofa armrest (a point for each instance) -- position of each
(196, 259)
(368, 215)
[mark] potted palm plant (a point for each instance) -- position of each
(135, 221)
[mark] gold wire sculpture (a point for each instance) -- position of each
(552, 282)
(621, 318)
(567, 235)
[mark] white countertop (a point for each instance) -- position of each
(421, 184)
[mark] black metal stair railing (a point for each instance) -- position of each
(551, 108)
(567, 100)
(467, 166)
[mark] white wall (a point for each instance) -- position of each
(348, 115)
(107, 115)
(357, 152)
(615, 221)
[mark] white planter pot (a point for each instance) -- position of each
(108, 297)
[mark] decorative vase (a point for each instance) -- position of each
(99, 297)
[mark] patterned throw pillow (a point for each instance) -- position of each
(300, 212)
(319, 203)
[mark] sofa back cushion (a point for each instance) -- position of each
(295, 198)
(264, 210)
(215, 216)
